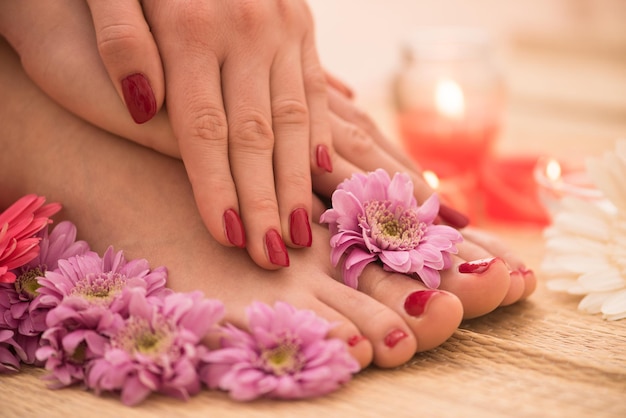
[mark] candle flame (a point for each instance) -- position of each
(449, 99)
(431, 178)
(553, 170)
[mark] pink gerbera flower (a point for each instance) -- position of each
(157, 348)
(20, 304)
(18, 226)
(374, 218)
(285, 355)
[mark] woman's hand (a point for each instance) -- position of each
(246, 98)
(79, 82)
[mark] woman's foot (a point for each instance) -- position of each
(137, 200)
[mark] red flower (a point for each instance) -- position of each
(18, 226)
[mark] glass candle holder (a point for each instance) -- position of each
(448, 97)
(559, 178)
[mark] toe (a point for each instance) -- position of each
(392, 340)
(481, 285)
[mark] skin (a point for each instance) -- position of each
(110, 186)
(237, 169)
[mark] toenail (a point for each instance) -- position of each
(477, 266)
(394, 337)
(355, 339)
(415, 303)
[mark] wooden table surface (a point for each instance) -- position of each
(537, 358)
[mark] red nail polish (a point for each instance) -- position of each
(453, 217)
(233, 228)
(323, 158)
(355, 339)
(139, 97)
(477, 266)
(275, 247)
(415, 303)
(394, 337)
(300, 228)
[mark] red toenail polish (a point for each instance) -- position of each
(233, 228)
(355, 339)
(415, 303)
(300, 228)
(275, 247)
(139, 97)
(477, 266)
(453, 217)
(323, 158)
(394, 337)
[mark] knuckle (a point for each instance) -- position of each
(291, 112)
(315, 81)
(360, 142)
(116, 38)
(249, 14)
(252, 130)
(362, 119)
(263, 204)
(208, 124)
(299, 180)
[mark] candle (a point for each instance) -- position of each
(448, 99)
(453, 191)
(557, 179)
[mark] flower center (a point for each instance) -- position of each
(139, 336)
(397, 229)
(283, 359)
(100, 287)
(27, 283)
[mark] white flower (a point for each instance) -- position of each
(586, 243)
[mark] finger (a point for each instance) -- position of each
(339, 85)
(348, 111)
(315, 89)
(355, 134)
(130, 55)
(245, 75)
(198, 117)
(290, 120)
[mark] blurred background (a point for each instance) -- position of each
(563, 67)
(564, 61)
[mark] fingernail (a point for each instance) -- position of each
(139, 97)
(233, 227)
(276, 250)
(354, 340)
(300, 228)
(453, 217)
(415, 303)
(323, 158)
(394, 337)
(477, 266)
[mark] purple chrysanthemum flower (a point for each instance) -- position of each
(286, 355)
(157, 348)
(374, 218)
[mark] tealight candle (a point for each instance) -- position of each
(448, 99)
(557, 179)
